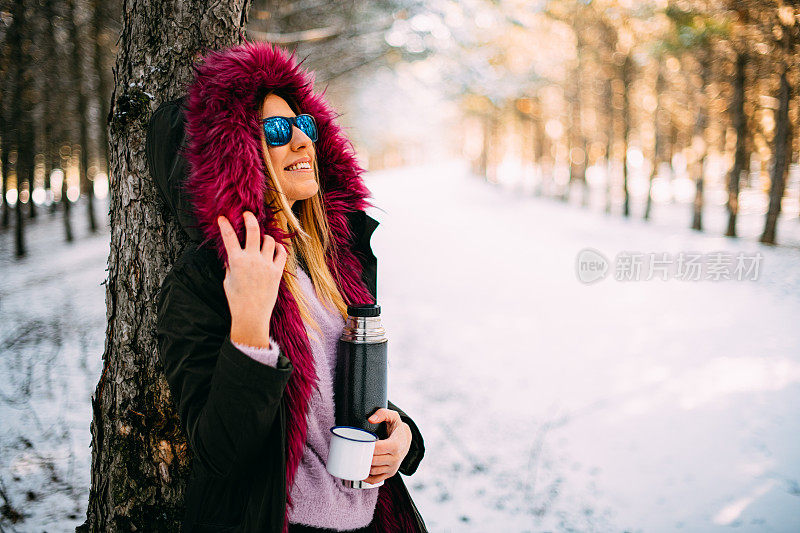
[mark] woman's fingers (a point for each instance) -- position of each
(280, 255)
(253, 237)
(228, 236)
(269, 248)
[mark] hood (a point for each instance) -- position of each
(226, 174)
(204, 154)
(204, 149)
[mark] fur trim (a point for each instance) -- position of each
(226, 175)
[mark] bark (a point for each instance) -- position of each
(577, 138)
(21, 115)
(627, 79)
(658, 147)
(739, 122)
(51, 94)
(672, 149)
(539, 140)
(86, 181)
(608, 97)
(4, 172)
(483, 162)
(489, 151)
(103, 93)
(4, 149)
(67, 208)
(140, 460)
(700, 127)
(780, 159)
(5, 140)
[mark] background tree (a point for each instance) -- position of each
(81, 93)
(782, 25)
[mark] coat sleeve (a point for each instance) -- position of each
(417, 449)
(226, 401)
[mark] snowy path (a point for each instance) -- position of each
(546, 404)
(550, 405)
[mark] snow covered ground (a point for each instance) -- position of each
(52, 333)
(551, 405)
(546, 403)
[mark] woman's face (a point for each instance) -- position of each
(297, 184)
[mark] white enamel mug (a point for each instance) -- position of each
(351, 451)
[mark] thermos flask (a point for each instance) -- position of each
(361, 373)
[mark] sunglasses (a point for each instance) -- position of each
(278, 130)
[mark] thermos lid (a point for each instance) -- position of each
(364, 310)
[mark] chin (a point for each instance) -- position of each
(304, 193)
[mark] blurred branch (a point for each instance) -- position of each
(304, 36)
(354, 67)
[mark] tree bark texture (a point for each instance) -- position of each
(700, 134)
(103, 92)
(658, 146)
(739, 121)
(86, 181)
(780, 158)
(608, 100)
(140, 460)
(627, 80)
(577, 137)
(21, 116)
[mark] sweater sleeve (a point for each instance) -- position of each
(267, 356)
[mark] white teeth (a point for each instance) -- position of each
(298, 166)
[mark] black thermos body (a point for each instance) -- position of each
(361, 369)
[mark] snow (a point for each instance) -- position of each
(52, 335)
(546, 404)
(552, 405)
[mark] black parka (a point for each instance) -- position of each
(231, 407)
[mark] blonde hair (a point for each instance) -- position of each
(312, 241)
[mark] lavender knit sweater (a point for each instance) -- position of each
(320, 500)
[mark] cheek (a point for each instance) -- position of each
(275, 157)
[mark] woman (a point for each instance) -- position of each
(256, 171)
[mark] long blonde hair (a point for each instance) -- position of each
(312, 240)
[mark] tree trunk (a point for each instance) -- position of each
(5, 141)
(140, 459)
(576, 136)
(539, 140)
(103, 93)
(86, 181)
(21, 114)
(4, 148)
(658, 144)
(739, 159)
(780, 158)
(483, 162)
(701, 124)
(67, 207)
(51, 94)
(627, 79)
(609, 105)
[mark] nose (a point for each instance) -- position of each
(299, 138)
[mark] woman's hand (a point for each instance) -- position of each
(389, 452)
(252, 277)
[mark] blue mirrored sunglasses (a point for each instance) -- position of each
(278, 130)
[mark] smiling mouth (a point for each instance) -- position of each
(299, 167)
